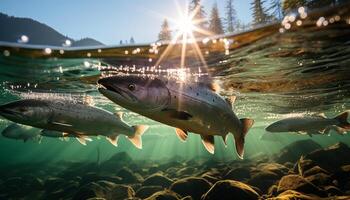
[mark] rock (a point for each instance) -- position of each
(320, 179)
(186, 171)
(293, 151)
(191, 186)
(67, 191)
(121, 192)
(263, 180)
(187, 198)
(315, 170)
(229, 189)
(333, 191)
(146, 191)
(164, 195)
(293, 195)
(276, 168)
(54, 183)
(158, 180)
(272, 190)
(90, 190)
(210, 179)
(303, 165)
(331, 158)
(239, 174)
(299, 184)
(129, 176)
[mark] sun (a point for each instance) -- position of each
(185, 25)
(185, 28)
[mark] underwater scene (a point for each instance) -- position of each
(257, 111)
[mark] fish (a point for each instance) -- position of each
(79, 120)
(311, 125)
(191, 107)
(21, 132)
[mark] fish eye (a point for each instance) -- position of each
(131, 87)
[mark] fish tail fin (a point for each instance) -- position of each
(239, 140)
(135, 139)
(343, 120)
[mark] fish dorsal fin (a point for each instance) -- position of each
(230, 100)
(113, 139)
(119, 115)
(82, 139)
(208, 142)
(181, 134)
(61, 124)
(136, 139)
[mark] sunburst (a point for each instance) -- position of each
(185, 27)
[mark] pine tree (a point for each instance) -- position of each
(231, 17)
(165, 33)
(259, 13)
(276, 9)
(132, 41)
(289, 5)
(320, 3)
(215, 24)
(199, 17)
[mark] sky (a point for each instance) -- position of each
(110, 21)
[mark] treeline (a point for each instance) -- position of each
(262, 12)
(131, 41)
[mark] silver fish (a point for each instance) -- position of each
(21, 132)
(191, 107)
(79, 120)
(316, 124)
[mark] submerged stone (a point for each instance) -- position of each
(229, 189)
(147, 191)
(158, 180)
(164, 195)
(293, 151)
(191, 186)
(298, 183)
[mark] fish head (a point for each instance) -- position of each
(135, 93)
(279, 126)
(29, 112)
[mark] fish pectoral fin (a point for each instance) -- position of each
(181, 134)
(82, 139)
(61, 124)
(136, 139)
(181, 115)
(302, 132)
(320, 115)
(119, 115)
(113, 139)
(208, 142)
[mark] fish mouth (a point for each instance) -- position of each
(113, 92)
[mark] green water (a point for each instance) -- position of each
(301, 71)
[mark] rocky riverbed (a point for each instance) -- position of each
(302, 170)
